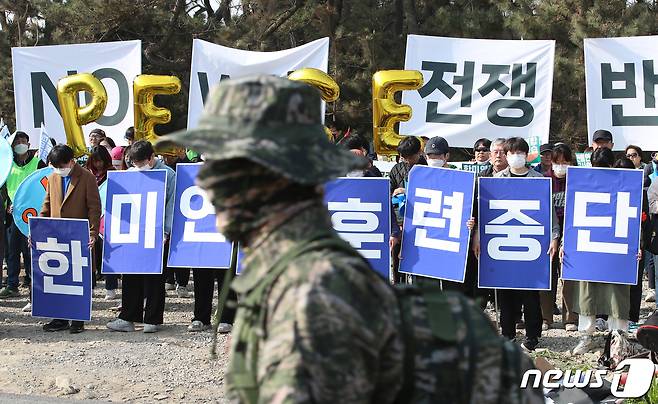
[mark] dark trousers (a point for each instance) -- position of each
(177, 276)
(135, 289)
(17, 247)
(636, 295)
(548, 297)
(511, 302)
(470, 285)
(650, 267)
(204, 286)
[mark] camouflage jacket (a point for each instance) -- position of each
(330, 324)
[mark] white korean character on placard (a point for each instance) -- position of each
(189, 231)
(134, 203)
(448, 207)
(53, 251)
(529, 248)
(623, 214)
(356, 222)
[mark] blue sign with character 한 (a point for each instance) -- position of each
(61, 268)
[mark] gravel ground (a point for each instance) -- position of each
(172, 365)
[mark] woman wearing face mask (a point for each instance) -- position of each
(561, 157)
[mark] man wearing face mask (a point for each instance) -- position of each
(136, 288)
(513, 301)
(25, 163)
(438, 153)
(71, 193)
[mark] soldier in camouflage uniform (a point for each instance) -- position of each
(315, 323)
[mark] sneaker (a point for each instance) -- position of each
(110, 294)
(76, 327)
(545, 326)
(121, 325)
(556, 310)
(530, 344)
(224, 328)
(56, 325)
(601, 324)
(570, 327)
(9, 292)
(182, 291)
(585, 344)
(27, 308)
(197, 326)
(170, 286)
(150, 328)
(651, 296)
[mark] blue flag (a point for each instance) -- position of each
(134, 222)
(360, 211)
(195, 241)
(29, 198)
(602, 225)
(515, 233)
(61, 268)
(435, 237)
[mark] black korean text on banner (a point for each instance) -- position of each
(116, 64)
(475, 88)
(621, 78)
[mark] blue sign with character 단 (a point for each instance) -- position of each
(195, 241)
(360, 213)
(602, 220)
(435, 237)
(515, 226)
(61, 268)
(134, 222)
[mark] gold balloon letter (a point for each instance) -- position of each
(73, 115)
(329, 90)
(385, 111)
(147, 115)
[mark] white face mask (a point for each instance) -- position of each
(516, 161)
(435, 162)
(21, 148)
(63, 172)
(560, 170)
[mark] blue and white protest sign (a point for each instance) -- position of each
(515, 222)
(45, 145)
(602, 225)
(360, 214)
(29, 198)
(435, 237)
(134, 222)
(61, 268)
(195, 241)
(6, 160)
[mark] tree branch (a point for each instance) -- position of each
(281, 19)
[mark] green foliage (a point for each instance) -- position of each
(366, 36)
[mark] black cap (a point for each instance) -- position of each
(546, 147)
(437, 145)
(602, 135)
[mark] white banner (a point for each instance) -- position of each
(621, 79)
(476, 88)
(212, 63)
(36, 72)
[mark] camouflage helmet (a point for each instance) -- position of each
(271, 121)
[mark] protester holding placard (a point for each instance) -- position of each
(25, 163)
(513, 301)
(71, 193)
(143, 296)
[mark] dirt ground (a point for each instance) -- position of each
(172, 365)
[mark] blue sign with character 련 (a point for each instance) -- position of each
(61, 268)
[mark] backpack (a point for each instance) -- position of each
(452, 352)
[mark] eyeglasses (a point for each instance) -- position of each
(631, 155)
(482, 149)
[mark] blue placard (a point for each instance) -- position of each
(602, 225)
(29, 198)
(360, 213)
(61, 268)
(515, 219)
(134, 222)
(435, 237)
(195, 241)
